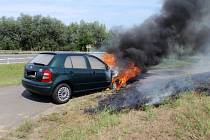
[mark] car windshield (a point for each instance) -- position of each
(42, 59)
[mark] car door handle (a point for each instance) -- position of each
(94, 73)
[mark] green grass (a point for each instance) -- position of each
(194, 118)
(11, 74)
(174, 63)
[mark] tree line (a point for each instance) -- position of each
(38, 33)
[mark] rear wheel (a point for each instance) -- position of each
(62, 93)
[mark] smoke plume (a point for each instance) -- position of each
(181, 28)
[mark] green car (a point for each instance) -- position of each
(60, 75)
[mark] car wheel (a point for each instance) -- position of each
(62, 93)
(113, 86)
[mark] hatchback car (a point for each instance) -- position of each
(60, 75)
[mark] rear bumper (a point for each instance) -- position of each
(37, 87)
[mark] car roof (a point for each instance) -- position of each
(69, 53)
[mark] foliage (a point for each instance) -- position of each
(37, 33)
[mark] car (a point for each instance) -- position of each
(60, 75)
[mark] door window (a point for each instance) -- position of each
(68, 63)
(96, 64)
(78, 62)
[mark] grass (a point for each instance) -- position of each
(23, 130)
(187, 117)
(92, 127)
(171, 63)
(194, 118)
(11, 74)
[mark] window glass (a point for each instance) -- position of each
(96, 64)
(78, 62)
(43, 59)
(68, 63)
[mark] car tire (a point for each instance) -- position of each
(62, 93)
(113, 86)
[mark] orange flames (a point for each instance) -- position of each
(124, 75)
(109, 59)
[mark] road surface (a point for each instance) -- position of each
(17, 105)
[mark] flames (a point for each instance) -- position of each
(127, 73)
(109, 59)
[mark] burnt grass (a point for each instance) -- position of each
(153, 91)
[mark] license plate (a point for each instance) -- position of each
(31, 74)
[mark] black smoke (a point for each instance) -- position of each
(182, 28)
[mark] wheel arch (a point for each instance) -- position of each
(64, 82)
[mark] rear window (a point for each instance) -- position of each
(42, 59)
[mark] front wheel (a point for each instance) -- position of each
(62, 93)
(113, 86)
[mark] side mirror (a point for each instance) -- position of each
(107, 67)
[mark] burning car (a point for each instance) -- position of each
(60, 75)
(121, 75)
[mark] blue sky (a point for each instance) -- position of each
(110, 12)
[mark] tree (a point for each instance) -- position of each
(46, 33)
(9, 34)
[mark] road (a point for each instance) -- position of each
(17, 105)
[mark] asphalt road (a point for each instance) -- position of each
(17, 105)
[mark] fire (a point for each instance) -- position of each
(125, 74)
(109, 59)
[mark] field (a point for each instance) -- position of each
(11, 74)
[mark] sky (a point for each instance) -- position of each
(126, 13)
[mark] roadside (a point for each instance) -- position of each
(17, 105)
(185, 118)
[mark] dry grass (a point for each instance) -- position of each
(22, 131)
(185, 118)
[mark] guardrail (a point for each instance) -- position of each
(15, 60)
(23, 58)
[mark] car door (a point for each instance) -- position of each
(101, 76)
(77, 69)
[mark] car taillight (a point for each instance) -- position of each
(47, 76)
